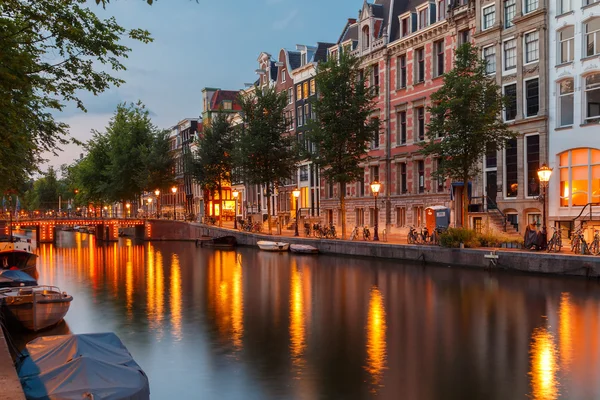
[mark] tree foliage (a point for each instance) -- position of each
(51, 51)
(344, 126)
(265, 154)
(465, 120)
(213, 162)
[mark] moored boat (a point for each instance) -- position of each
(94, 366)
(15, 278)
(303, 249)
(225, 242)
(17, 253)
(273, 246)
(35, 307)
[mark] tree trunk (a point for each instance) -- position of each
(220, 205)
(343, 208)
(268, 200)
(465, 197)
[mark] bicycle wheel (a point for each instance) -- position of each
(595, 248)
(550, 246)
(558, 246)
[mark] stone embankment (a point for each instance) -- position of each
(508, 259)
(10, 386)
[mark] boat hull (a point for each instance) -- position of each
(36, 310)
(273, 246)
(303, 249)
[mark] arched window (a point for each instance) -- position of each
(579, 171)
(566, 44)
(592, 37)
(366, 37)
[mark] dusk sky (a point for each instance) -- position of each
(200, 44)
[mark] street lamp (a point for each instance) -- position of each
(544, 175)
(375, 187)
(128, 207)
(157, 193)
(105, 212)
(296, 193)
(235, 195)
(174, 190)
(149, 207)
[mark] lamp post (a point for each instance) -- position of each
(105, 211)
(157, 193)
(296, 193)
(375, 187)
(128, 205)
(235, 195)
(544, 175)
(174, 190)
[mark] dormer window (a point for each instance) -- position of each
(365, 37)
(227, 105)
(333, 55)
(423, 18)
(404, 24)
(303, 58)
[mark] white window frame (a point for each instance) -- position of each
(514, 69)
(525, 49)
(283, 77)
(408, 25)
(559, 104)
(483, 14)
(426, 10)
(504, 196)
(492, 46)
(585, 90)
(438, 8)
(509, 23)
(517, 100)
(568, 6)
(299, 119)
(526, 10)
(585, 35)
(570, 46)
(291, 95)
(525, 97)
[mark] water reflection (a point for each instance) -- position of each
(544, 366)
(253, 325)
(376, 343)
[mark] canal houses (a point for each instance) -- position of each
(574, 104)
(512, 35)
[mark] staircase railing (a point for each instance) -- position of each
(497, 210)
(590, 215)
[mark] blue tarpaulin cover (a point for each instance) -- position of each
(85, 366)
(16, 277)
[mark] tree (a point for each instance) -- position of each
(51, 51)
(465, 120)
(265, 154)
(344, 126)
(212, 164)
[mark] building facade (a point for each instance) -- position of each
(512, 35)
(574, 117)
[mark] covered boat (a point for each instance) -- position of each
(85, 366)
(36, 307)
(15, 278)
(225, 242)
(303, 249)
(273, 246)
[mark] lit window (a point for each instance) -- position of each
(489, 55)
(510, 54)
(579, 177)
(313, 87)
(592, 98)
(531, 47)
(567, 44)
(489, 17)
(298, 92)
(510, 9)
(592, 36)
(565, 104)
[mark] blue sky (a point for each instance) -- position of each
(199, 44)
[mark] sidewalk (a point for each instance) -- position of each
(392, 238)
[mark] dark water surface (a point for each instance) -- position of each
(245, 324)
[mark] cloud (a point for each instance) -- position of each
(284, 23)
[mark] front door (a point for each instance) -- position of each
(491, 188)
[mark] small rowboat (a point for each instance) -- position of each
(224, 242)
(273, 246)
(303, 249)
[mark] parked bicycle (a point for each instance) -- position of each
(354, 233)
(366, 233)
(307, 230)
(413, 236)
(578, 243)
(327, 232)
(595, 245)
(555, 242)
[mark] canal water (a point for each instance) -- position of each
(245, 324)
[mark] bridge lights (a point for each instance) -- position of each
(128, 207)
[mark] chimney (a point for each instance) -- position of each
(351, 21)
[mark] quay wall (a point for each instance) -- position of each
(515, 260)
(10, 386)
